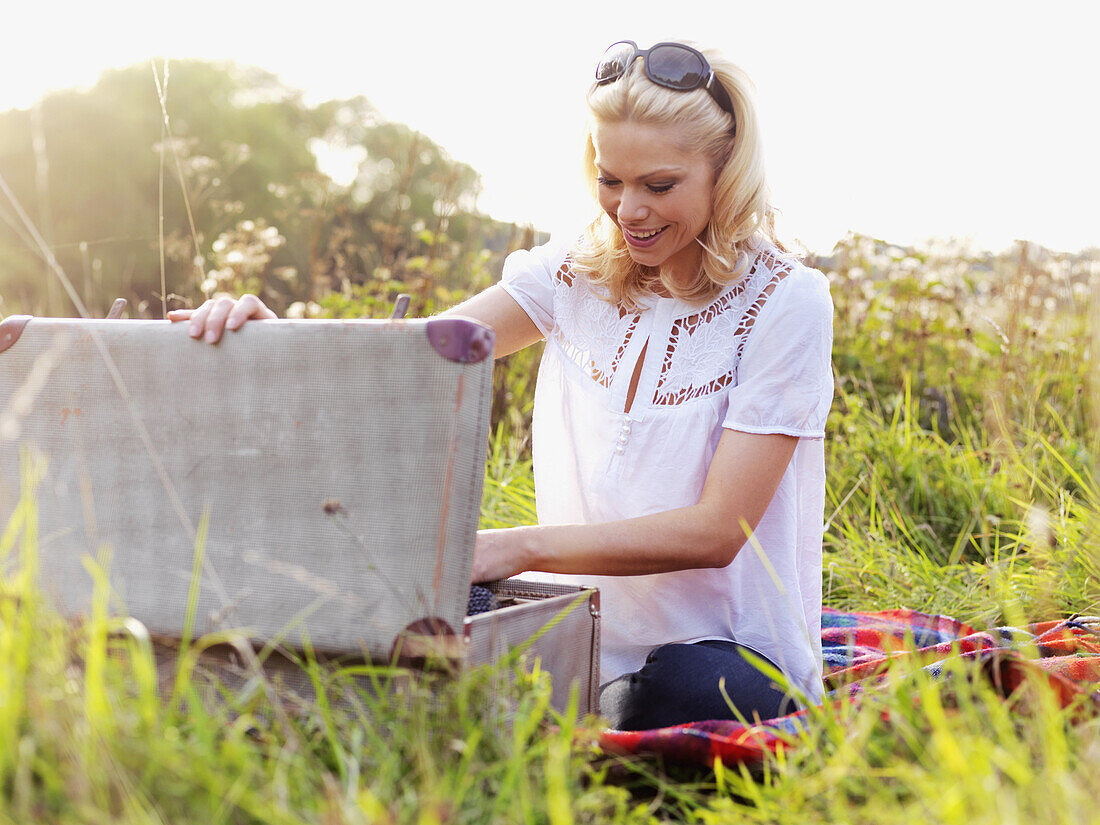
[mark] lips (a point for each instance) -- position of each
(643, 237)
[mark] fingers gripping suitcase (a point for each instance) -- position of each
(335, 468)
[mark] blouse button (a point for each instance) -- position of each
(619, 449)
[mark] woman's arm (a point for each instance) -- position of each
(742, 479)
(496, 308)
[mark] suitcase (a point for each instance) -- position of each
(324, 476)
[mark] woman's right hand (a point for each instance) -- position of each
(216, 315)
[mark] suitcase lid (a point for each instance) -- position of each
(338, 466)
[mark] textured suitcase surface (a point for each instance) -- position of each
(338, 466)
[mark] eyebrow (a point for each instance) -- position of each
(664, 170)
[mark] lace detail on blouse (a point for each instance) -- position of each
(698, 360)
(592, 333)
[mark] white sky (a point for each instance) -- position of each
(974, 120)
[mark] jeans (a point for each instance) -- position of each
(679, 683)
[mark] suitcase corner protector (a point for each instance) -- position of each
(11, 328)
(429, 641)
(460, 339)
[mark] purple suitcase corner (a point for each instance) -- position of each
(11, 328)
(460, 339)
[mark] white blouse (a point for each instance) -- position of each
(755, 359)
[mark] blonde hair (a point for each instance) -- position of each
(741, 212)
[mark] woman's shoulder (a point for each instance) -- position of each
(548, 258)
(786, 277)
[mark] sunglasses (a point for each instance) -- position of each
(672, 65)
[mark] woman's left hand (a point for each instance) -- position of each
(499, 554)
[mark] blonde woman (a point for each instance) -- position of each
(681, 402)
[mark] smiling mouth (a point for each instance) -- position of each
(642, 237)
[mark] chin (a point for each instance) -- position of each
(649, 257)
(645, 257)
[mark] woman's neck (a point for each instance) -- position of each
(684, 268)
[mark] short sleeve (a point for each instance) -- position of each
(529, 277)
(785, 378)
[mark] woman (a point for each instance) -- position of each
(680, 405)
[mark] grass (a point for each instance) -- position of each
(961, 464)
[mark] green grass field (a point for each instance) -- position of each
(961, 461)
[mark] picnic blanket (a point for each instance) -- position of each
(860, 648)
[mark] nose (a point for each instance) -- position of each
(632, 206)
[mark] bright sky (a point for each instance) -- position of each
(973, 120)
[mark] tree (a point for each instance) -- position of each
(254, 212)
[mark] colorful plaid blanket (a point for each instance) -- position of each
(859, 650)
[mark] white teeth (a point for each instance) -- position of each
(641, 236)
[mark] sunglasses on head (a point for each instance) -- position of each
(672, 65)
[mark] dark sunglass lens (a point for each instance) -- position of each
(614, 61)
(676, 68)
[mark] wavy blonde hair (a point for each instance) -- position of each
(741, 212)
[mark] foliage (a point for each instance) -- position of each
(88, 168)
(950, 318)
(962, 443)
(235, 169)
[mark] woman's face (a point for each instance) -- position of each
(658, 196)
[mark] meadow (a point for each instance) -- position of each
(961, 480)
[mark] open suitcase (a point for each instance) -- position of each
(330, 473)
